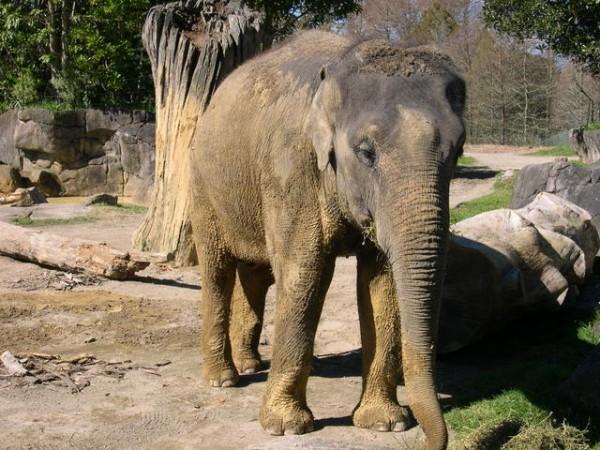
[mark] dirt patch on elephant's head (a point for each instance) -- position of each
(381, 56)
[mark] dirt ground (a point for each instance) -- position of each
(151, 325)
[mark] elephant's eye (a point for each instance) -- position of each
(365, 153)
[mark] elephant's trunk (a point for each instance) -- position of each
(416, 242)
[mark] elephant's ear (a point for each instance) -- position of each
(319, 123)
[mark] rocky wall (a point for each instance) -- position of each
(81, 152)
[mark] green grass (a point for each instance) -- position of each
(520, 377)
(125, 208)
(500, 198)
(97, 214)
(561, 150)
(592, 126)
(28, 222)
(586, 333)
(466, 161)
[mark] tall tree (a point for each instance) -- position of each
(571, 28)
(79, 53)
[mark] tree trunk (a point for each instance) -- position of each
(72, 255)
(193, 46)
(54, 36)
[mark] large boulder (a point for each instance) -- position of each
(504, 263)
(578, 185)
(586, 144)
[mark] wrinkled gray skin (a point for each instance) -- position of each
(304, 151)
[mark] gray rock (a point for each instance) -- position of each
(102, 199)
(586, 143)
(81, 152)
(579, 185)
(582, 388)
(30, 196)
(99, 123)
(88, 180)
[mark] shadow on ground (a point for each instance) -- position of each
(474, 172)
(533, 356)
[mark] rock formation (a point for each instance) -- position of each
(81, 152)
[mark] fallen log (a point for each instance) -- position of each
(73, 255)
(508, 263)
(12, 364)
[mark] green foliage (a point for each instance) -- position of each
(285, 15)
(561, 150)
(25, 88)
(571, 28)
(102, 63)
(436, 24)
(500, 198)
(96, 57)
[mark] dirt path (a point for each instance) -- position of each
(478, 179)
(155, 319)
(508, 161)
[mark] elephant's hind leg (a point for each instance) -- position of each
(247, 309)
(218, 276)
(380, 333)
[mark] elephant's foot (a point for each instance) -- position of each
(382, 415)
(248, 365)
(221, 377)
(285, 416)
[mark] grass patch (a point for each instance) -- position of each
(466, 161)
(520, 372)
(586, 332)
(29, 222)
(592, 126)
(561, 150)
(125, 208)
(500, 198)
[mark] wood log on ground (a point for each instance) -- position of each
(73, 255)
(192, 46)
(23, 197)
(12, 365)
(505, 263)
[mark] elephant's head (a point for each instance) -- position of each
(388, 123)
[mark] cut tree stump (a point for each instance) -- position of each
(73, 255)
(193, 46)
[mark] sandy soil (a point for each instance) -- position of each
(155, 319)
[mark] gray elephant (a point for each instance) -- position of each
(318, 148)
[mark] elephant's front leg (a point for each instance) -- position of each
(247, 309)
(301, 286)
(380, 335)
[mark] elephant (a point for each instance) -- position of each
(323, 147)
